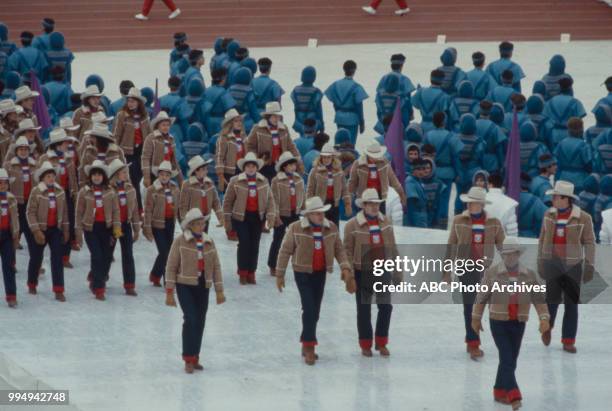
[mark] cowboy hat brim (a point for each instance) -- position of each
(108, 136)
(380, 154)
(278, 167)
(202, 164)
(156, 121)
(514, 249)
(156, 170)
(111, 173)
(39, 173)
(359, 202)
(553, 192)
(227, 120)
(185, 223)
(243, 161)
(467, 199)
(22, 130)
(88, 169)
(87, 95)
(322, 209)
(32, 94)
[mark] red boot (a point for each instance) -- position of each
(154, 280)
(243, 274)
(251, 277)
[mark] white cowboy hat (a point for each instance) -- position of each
(115, 166)
(165, 166)
(272, 108)
(375, 151)
(8, 106)
(193, 215)
(25, 125)
(67, 124)
(369, 195)
(475, 195)
(24, 92)
(97, 165)
(162, 116)
(135, 93)
(58, 135)
(328, 150)
(100, 130)
(91, 91)
(562, 188)
(195, 163)
(22, 142)
(284, 158)
(5, 177)
(230, 114)
(100, 117)
(315, 205)
(249, 158)
(45, 167)
(512, 245)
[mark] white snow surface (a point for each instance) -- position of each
(124, 354)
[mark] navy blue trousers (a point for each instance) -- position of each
(311, 287)
(54, 238)
(193, 300)
(126, 241)
(7, 253)
(507, 336)
(277, 239)
(163, 240)
(563, 285)
(363, 298)
(249, 235)
(98, 242)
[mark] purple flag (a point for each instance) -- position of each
(156, 104)
(394, 140)
(40, 106)
(513, 161)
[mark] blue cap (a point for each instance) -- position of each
(309, 75)
(243, 76)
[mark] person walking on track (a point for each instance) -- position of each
(373, 7)
(148, 4)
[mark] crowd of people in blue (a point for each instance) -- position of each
(466, 118)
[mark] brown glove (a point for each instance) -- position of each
(220, 297)
(544, 326)
(280, 283)
(477, 325)
(170, 302)
(117, 233)
(221, 184)
(148, 235)
(351, 285)
(39, 237)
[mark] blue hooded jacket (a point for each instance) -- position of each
(453, 75)
(58, 55)
(530, 149)
(463, 103)
(307, 101)
(555, 73)
(243, 95)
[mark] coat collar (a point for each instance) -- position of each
(305, 222)
(576, 211)
(15, 161)
(43, 187)
(264, 123)
(194, 180)
(158, 185)
(466, 214)
(188, 235)
(243, 177)
(363, 160)
(283, 176)
(158, 133)
(361, 218)
(52, 154)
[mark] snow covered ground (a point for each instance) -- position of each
(124, 354)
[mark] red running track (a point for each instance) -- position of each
(109, 24)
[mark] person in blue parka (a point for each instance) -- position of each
(501, 94)
(533, 111)
(482, 81)
(518, 102)
(58, 55)
(463, 103)
(602, 147)
(556, 72)
(561, 108)
(471, 156)
(453, 75)
(386, 100)
(242, 93)
(493, 136)
(41, 42)
(498, 116)
(187, 112)
(4, 66)
(305, 142)
(307, 101)
(607, 100)
(265, 88)
(196, 61)
(251, 64)
(216, 61)
(318, 142)
(588, 196)
(28, 58)
(531, 150)
(603, 202)
(497, 68)
(221, 60)
(195, 143)
(413, 134)
(481, 179)
(124, 89)
(12, 83)
(6, 46)
(448, 166)
(574, 156)
(539, 87)
(405, 84)
(216, 102)
(416, 209)
(531, 210)
(59, 91)
(180, 66)
(603, 122)
(542, 183)
(347, 96)
(94, 79)
(239, 56)
(170, 102)
(177, 53)
(149, 94)
(430, 100)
